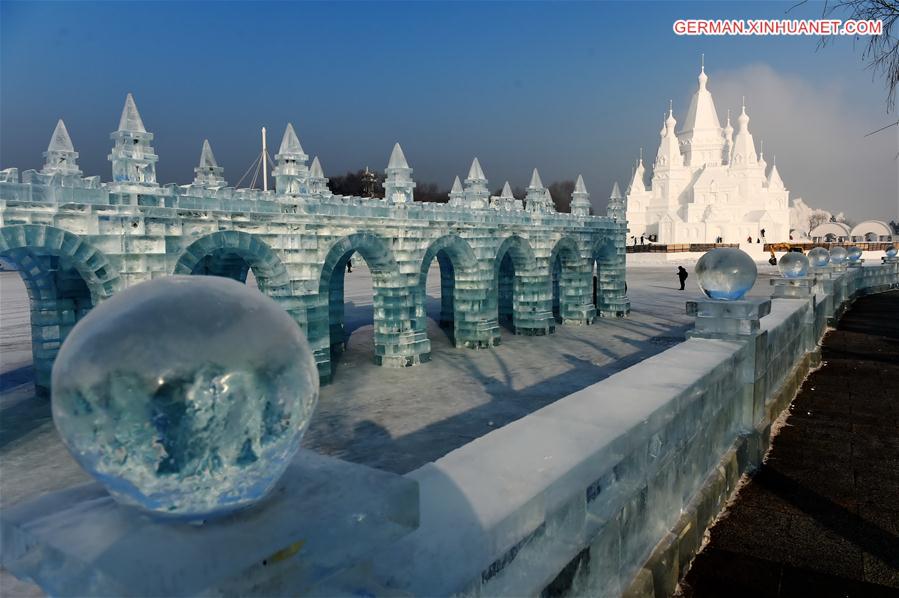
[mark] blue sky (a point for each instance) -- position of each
(567, 87)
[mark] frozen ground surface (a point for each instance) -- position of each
(392, 419)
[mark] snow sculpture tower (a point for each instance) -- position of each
(701, 138)
(538, 199)
(60, 157)
(318, 184)
(477, 196)
(132, 157)
(208, 172)
(580, 199)
(291, 173)
(398, 184)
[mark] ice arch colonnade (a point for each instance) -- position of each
(530, 280)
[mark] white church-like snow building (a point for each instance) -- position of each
(708, 182)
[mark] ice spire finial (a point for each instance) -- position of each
(60, 141)
(536, 183)
(397, 158)
(130, 120)
(476, 173)
(616, 191)
(507, 190)
(207, 159)
(579, 186)
(457, 186)
(315, 170)
(290, 143)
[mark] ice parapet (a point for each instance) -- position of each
(725, 273)
(186, 396)
(793, 264)
(819, 257)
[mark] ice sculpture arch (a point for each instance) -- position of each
(518, 306)
(457, 261)
(569, 278)
(392, 304)
(65, 276)
(231, 254)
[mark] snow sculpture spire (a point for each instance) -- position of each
(318, 184)
(291, 173)
(728, 141)
(669, 155)
(775, 183)
(702, 136)
(616, 209)
(456, 194)
(132, 157)
(744, 146)
(580, 199)
(61, 157)
(637, 182)
(536, 200)
(208, 172)
(762, 164)
(476, 194)
(398, 184)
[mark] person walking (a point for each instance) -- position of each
(641, 239)
(682, 276)
(349, 265)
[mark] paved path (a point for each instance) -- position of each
(821, 516)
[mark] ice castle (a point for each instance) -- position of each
(77, 241)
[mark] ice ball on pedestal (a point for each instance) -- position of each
(837, 255)
(892, 251)
(854, 254)
(186, 396)
(793, 264)
(725, 273)
(818, 257)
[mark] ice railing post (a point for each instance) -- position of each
(725, 275)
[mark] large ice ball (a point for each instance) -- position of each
(854, 253)
(793, 264)
(819, 257)
(725, 273)
(891, 251)
(837, 255)
(186, 396)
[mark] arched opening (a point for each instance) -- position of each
(609, 286)
(522, 301)
(439, 298)
(239, 256)
(570, 295)
(830, 238)
(871, 237)
(390, 309)
(64, 278)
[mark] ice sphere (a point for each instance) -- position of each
(854, 253)
(818, 257)
(837, 255)
(186, 396)
(725, 273)
(793, 264)
(892, 251)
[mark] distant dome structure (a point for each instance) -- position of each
(708, 182)
(830, 232)
(872, 231)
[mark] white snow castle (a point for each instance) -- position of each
(708, 183)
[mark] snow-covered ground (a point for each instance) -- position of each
(393, 419)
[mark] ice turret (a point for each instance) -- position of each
(318, 183)
(537, 198)
(505, 199)
(132, 157)
(456, 194)
(291, 173)
(61, 157)
(702, 137)
(476, 194)
(580, 199)
(617, 208)
(398, 184)
(208, 172)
